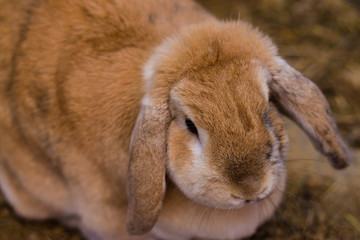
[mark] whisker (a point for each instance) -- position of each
(321, 175)
(303, 170)
(306, 159)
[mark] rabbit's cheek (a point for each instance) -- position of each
(179, 156)
(273, 181)
(188, 168)
(184, 160)
(276, 168)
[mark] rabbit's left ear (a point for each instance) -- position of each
(301, 100)
(146, 176)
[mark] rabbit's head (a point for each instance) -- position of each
(210, 120)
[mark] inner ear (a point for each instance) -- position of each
(301, 100)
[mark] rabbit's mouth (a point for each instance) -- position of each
(239, 203)
(273, 186)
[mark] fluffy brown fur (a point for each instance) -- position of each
(73, 76)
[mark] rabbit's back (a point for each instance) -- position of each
(71, 86)
(77, 64)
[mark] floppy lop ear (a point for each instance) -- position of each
(146, 175)
(301, 100)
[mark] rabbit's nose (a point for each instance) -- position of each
(250, 187)
(249, 180)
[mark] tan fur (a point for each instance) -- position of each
(73, 76)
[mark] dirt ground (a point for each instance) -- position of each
(322, 40)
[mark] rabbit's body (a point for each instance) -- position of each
(73, 76)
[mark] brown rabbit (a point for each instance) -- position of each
(148, 117)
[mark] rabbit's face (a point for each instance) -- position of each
(225, 145)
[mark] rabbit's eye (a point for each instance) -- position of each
(191, 126)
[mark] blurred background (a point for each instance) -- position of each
(322, 40)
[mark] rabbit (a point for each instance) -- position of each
(148, 119)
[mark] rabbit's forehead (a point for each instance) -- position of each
(219, 95)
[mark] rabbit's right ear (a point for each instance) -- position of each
(146, 176)
(301, 100)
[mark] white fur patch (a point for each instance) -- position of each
(281, 61)
(149, 69)
(196, 150)
(8, 193)
(263, 80)
(150, 66)
(19, 205)
(146, 101)
(148, 73)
